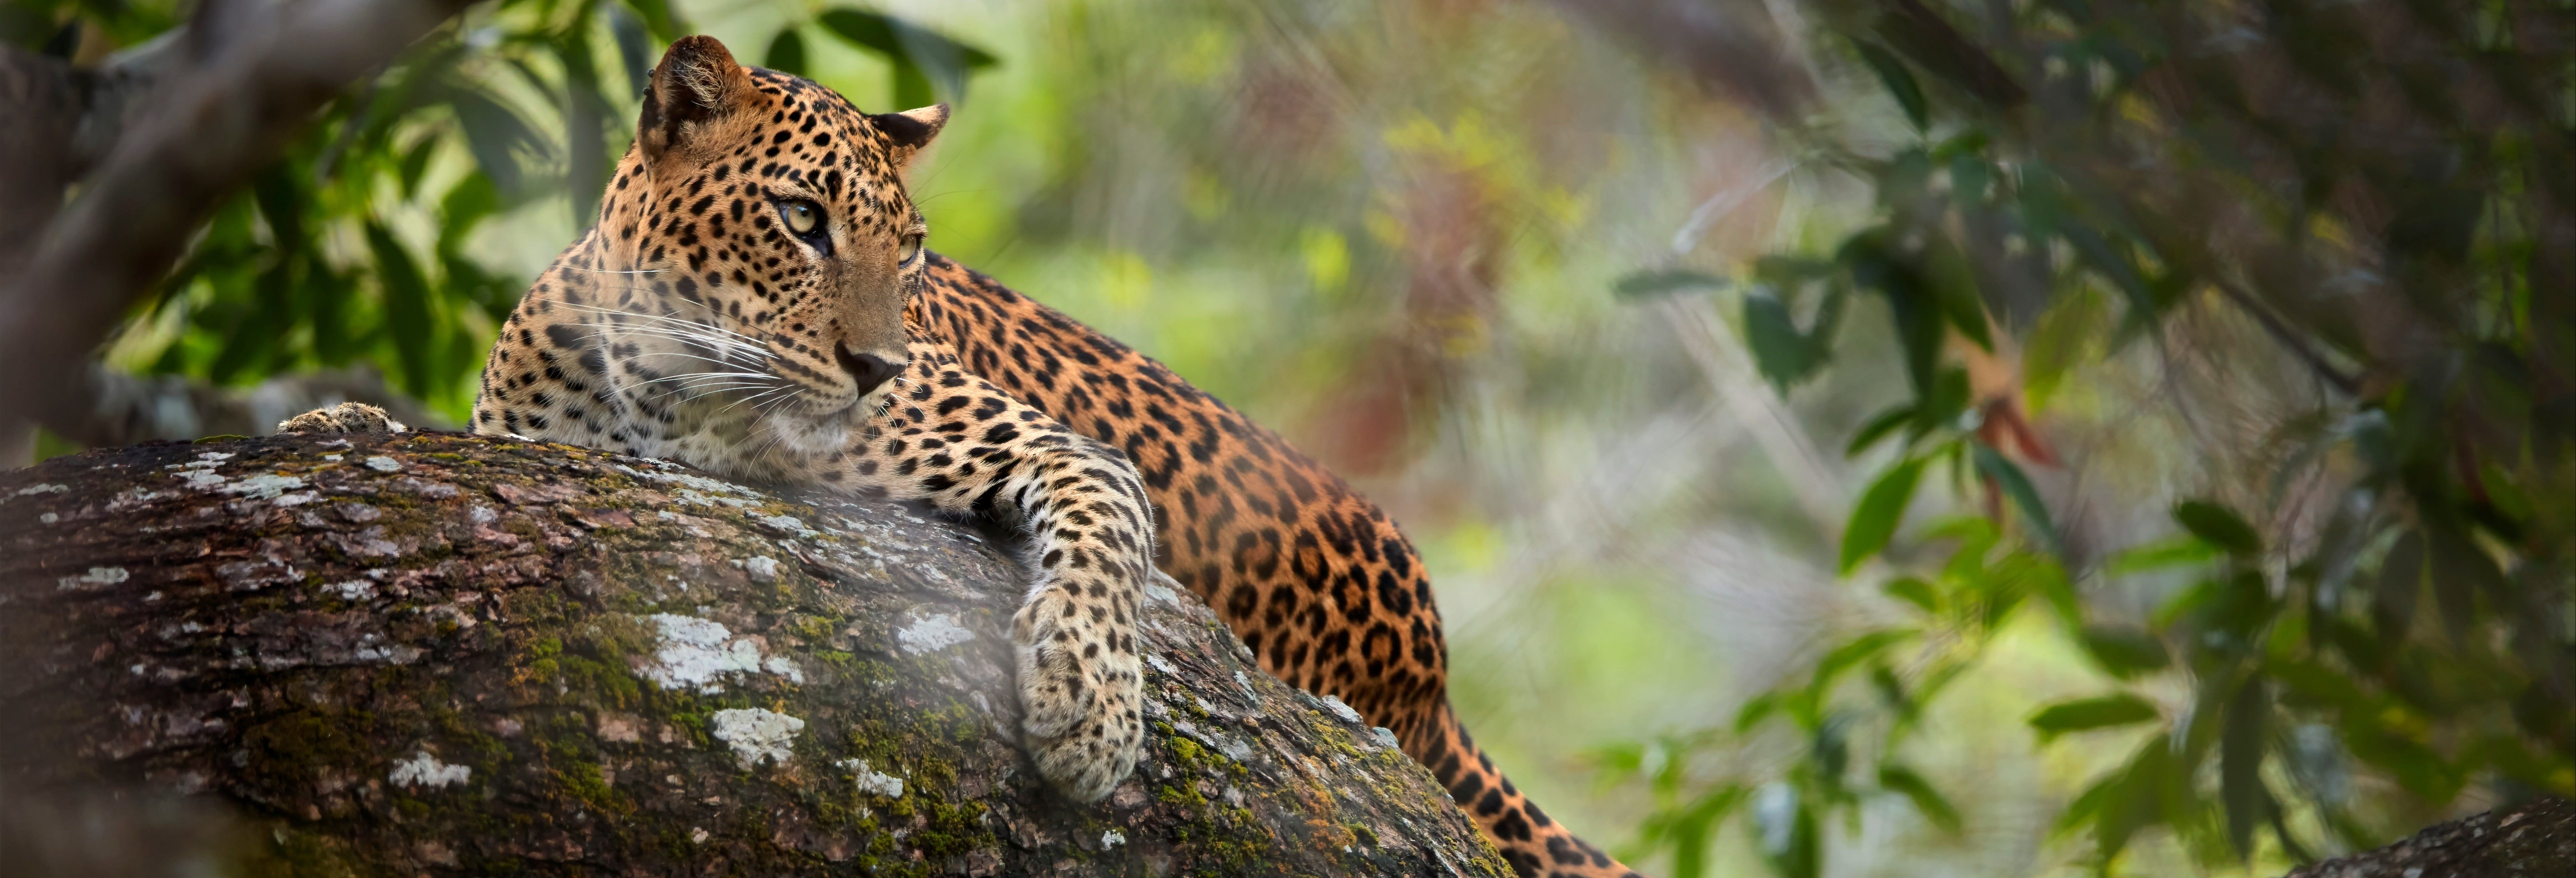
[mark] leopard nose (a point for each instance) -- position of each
(869, 370)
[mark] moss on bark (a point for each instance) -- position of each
(443, 654)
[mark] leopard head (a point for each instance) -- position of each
(762, 248)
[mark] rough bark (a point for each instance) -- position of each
(2536, 839)
(450, 655)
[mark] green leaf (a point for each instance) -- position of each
(2060, 339)
(2415, 766)
(259, 332)
(585, 116)
(1919, 321)
(2124, 650)
(2135, 801)
(2400, 582)
(2017, 486)
(1879, 426)
(496, 135)
(325, 299)
(634, 47)
(1858, 650)
(1880, 509)
(1665, 282)
(1784, 828)
(1943, 408)
(923, 60)
(664, 21)
(414, 163)
(2219, 526)
(1914, 591)
(467, 203)
(407, 311)
(1899, 81)
(2087, 714)
(1691, 828)
(1934, 806)
(2317, 683)
(2240, 763)
(2459, 572)
(1953, 284)
(282, 204)
(2144, 304)
(2182, 551)
(786, 53)
(1755, 710)
(1784, 354)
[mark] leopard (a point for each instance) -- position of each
(755, 299)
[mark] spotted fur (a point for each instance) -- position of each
(692, 324)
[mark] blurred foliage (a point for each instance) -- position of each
(2385, 189)
(1386, 228)
(357, 245)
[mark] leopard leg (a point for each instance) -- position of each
(968, 448)
(347, 417)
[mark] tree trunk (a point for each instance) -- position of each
(451, 655)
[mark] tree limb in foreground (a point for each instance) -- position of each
(445, 654)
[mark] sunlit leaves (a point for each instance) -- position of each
(786, 53)
(1899, 81)
(1934, 806)
(2008, 477)
(2125, 651)
(1874, 520)
(928, 66)
(407, 309)
(1784, 353)
(2218, 525)
(1666, 281)
(2240, 761)
(2087, 714)
(503, 143)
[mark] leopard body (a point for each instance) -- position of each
(694, 322)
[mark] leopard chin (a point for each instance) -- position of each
(812, 435)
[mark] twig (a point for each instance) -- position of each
(2351, 386)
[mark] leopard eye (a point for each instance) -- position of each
(911, 248)
(803, 217)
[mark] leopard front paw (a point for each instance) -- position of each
(347, 417)
(1082, 690)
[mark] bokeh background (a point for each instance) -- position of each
(2012, 437)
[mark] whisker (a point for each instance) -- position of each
(692, 324)
(755, 396)
(717, 341)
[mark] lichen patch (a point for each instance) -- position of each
(872, 781)
(699, 653)
(265, 486)
(932, 633)
(426, 770)
(97, 576)
(757, 735)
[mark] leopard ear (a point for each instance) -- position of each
(696, 83)
(909, 132)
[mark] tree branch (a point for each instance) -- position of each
(436, 654)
